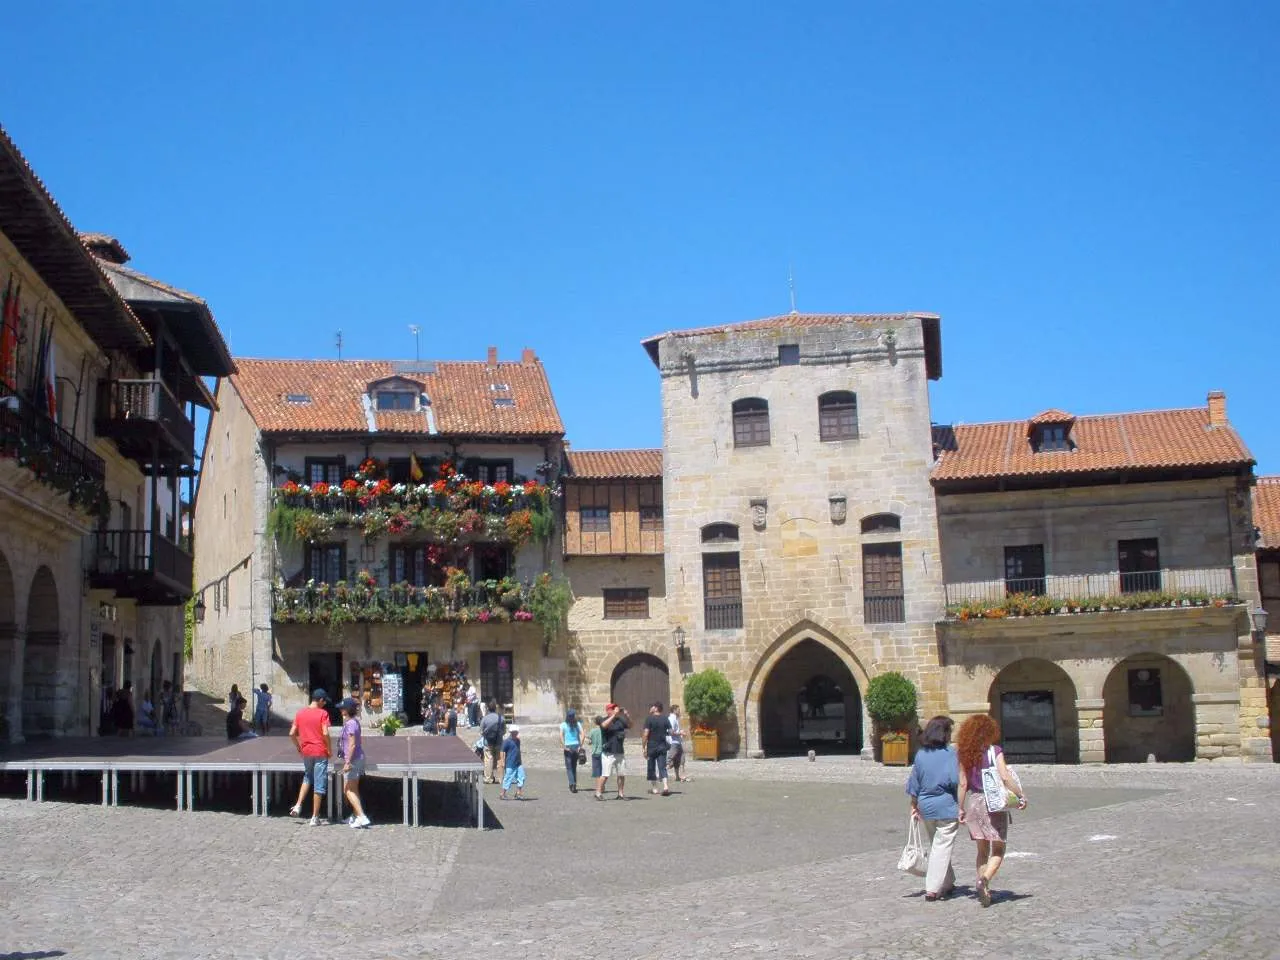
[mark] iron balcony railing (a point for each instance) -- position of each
(147, 400)
(884, 610)
(55, 456)
(129, 553)
(723, 614)
(1089, 592)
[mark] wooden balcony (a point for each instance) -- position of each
(142, 565)
(141, 414)
(54, 456)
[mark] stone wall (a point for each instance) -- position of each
(801, 569)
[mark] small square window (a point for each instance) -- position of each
(1052, 438)
(594, 519)
(395, 400)
(788, 355)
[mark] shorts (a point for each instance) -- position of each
(315, 774)
(615, 765)
(596, 766)
(676, 753)
(356, 771)
(513, 775)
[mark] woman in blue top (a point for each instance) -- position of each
(571, 741)
(932, 787)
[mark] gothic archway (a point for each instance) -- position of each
(810, 701)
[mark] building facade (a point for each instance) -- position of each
(97, 397)
(1266, 650)
(372, 526)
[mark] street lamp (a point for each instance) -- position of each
(1259, 618)
(677, 635)
(199, 608)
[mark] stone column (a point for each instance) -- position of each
(1217, 724)
(1093, 740)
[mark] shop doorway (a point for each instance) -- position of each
(413, 668)
(637, 682)
(497, 679)
(810, 702)
(324, 672)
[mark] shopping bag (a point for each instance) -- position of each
(999, 798)
(915, 858)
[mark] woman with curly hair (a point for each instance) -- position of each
(976, 750)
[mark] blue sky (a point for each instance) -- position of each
(1087, 192)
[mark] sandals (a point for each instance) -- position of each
(984, 891)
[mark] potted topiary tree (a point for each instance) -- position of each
(891, 703)
(708, 698)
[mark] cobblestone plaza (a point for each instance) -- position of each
(752, 858)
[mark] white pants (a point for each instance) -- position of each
(941, 836)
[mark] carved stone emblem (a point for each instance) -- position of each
(839, 508)
(759, 507)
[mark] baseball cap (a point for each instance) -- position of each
(347, 704)
(319, 694)
(513, 729)
(608, 707)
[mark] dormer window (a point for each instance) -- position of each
(1051, 438)
(395, 400)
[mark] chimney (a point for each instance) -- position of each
(1217, 408)
(493, 357)
(528, 356)
(105, 247)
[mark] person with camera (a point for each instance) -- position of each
(614, 729)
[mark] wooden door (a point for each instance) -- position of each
(638, 681)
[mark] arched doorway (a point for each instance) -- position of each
(1147, 709)
(40, 688)
(1034, 701)
(810, 701)
(8, 626)
(638, 681)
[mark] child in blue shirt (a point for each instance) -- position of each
(514, 769)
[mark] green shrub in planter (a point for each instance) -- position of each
(891, 699)
(708, 697)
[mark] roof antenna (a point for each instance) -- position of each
(338, 339)
(415, 330)
(791, 284)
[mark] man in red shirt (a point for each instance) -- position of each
(310, 734)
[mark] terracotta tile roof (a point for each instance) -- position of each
(789, 321)
(1051, 416)
(461, 395)
(1144, 441)
(614, 464)
(1266, 512)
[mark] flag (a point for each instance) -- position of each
(51, 384)
(415, 469)
(7, 344)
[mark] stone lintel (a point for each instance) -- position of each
(1224, 696)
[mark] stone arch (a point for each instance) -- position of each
(1151, 714)
(769, 653)
(41, 691)
(1034, 702)
(809, 700)
(637, 681)
(656, 644)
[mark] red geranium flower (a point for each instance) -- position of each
(382, 487)
(531, 486)
(439, 486)
(320, 489)
(350, 486)
(289, 487)
(502, 488)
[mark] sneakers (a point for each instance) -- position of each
(314, 822)
(351, 820)
(360, 822)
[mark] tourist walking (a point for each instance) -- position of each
(451, 721)
(473, 706)
(653, 743)
(310, 734)
(596, 742)
(675, 741)
(262, 708)
(932, 789)
(351, 753)
(571, 743)
(513, 766)
(615, 725)
(491, 729)
(976, 750)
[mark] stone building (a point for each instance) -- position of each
(362, 522)
(613, 556)
(801, 539)
(99, 379)
(1266, 518)
(1099, 579)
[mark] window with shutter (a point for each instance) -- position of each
(882, 589)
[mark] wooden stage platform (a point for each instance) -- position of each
(196, 763)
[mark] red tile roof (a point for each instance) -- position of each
(461, 395)
(1051, 416)
(933, 341)
(1145, 441)
(615, 464)
(1266, 512)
